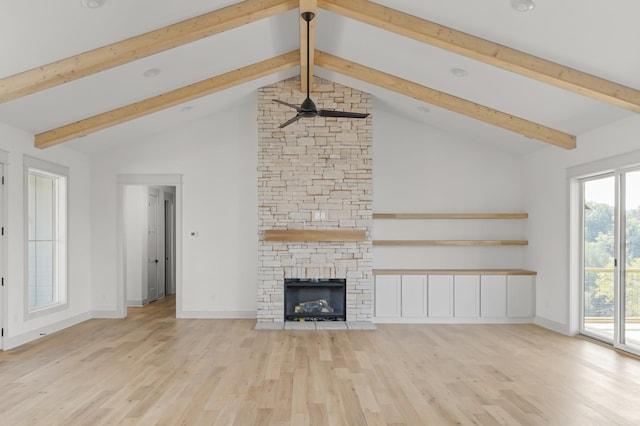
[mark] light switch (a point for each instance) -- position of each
(319, 215)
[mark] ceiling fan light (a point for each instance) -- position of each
(523, 5)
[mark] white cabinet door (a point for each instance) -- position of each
(414, 296)
(387, 296)
(440, 296)
(466, 296)
(493, 296)
(520, 296)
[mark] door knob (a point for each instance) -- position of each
(156, 260)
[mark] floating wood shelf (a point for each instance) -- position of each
(320, 235)
(457, 243)
(453, 272)
(450, 215)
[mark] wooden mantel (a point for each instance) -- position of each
(318, 235)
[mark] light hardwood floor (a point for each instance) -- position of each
(153, 369)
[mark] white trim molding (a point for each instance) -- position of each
(218, 314)
(30, 336)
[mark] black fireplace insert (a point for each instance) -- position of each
(311, 299)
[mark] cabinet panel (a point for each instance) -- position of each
(466, 296)
(387, 296)
(493, 296)
(440, 296)
(414, 296)
(520, 297)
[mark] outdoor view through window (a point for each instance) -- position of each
(600, 241)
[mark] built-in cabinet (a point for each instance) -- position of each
(454, 298)
(454, 295)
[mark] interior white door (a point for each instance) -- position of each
(169, 244)
(153, 261)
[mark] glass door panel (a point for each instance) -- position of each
(599, 196)
(630, 283)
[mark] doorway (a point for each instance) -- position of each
(149, 240)
(610, 241)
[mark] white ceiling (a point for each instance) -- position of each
(594, 36)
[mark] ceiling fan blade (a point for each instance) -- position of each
(346, 114)
(293, 120)
(287, 104)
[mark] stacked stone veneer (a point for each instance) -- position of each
(315, 165)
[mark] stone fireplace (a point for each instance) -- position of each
(314, 175)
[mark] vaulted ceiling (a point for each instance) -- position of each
(71, 73)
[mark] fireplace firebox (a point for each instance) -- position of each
(322, 299)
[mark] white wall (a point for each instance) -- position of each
(135, 240)
(18, 329)
(547, 201)
(419, 169)
(217, 157)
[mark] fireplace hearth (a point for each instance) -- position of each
(315, 299)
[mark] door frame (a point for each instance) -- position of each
(3, 248)
(621, 269)
(123, 180)
(580, 246)
(574, 175)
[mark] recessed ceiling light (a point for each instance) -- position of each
(459, 72)
(151, 72)
(523, 5)
(92, 4)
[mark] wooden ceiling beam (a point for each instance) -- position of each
(167, 100)
(141, 46)
(444, 100)
(486, 51)
(307, 6)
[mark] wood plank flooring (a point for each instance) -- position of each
(152, 369)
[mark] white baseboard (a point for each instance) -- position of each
(218, 314)
(30, 336)
(453, 320)
(553, 326)
(136, 303)
(107, 314)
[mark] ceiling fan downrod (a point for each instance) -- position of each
(308, 16)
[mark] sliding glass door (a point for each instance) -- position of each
(611, 258)
(599, 196)
(630, 275)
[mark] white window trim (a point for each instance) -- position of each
(46, 167)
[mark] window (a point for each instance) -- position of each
(46, 207)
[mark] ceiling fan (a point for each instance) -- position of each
(308, 108)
